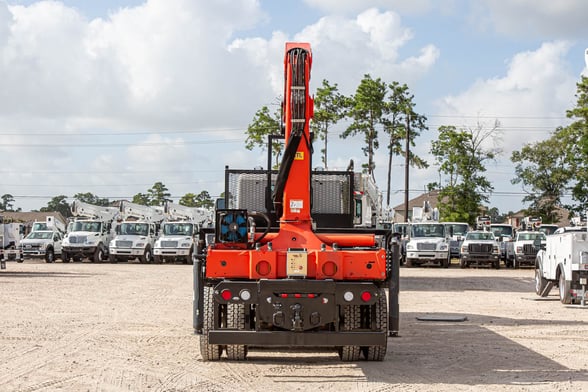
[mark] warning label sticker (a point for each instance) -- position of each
(296, 205)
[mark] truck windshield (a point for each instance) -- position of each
(485, 235)
(94, 227)
(40, 235)
(428, 230)
(457, 228)
(502, 230)
(134, 228)
(178, 229)
(532, 236)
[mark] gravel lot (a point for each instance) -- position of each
(128, 327)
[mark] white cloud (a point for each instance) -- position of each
(529, 100)
(345, 49)
(403, 6)
(535, 18)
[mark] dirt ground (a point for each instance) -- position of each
(128, 327)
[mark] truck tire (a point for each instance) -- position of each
(351, 321)
(540, 282)
(564, 289)
(209, 352)
(236, 320)
(147, 256)
(112, 259)
(156, 259)
(377, 353)
(188, 259)
(496, 264)
(98, 254)
(64, 257)
(446, 262)
(49, 255)
(515, 263)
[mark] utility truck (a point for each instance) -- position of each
(89, 234)
(531, 223)
(429, 238)
(504, 233)
(456, 232)
(11, 235)
(179, 233)
(479, 247)
(136, 234)
(287, 266)
(483, 222)
(45, 240)
(564, 263)
(523, 250)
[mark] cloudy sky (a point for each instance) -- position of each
(111, 96)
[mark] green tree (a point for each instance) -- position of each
(59, 204)
(461, 155)
(203, 199)
(92, 199)
(158, 194)
(542, 170)
(575, 138)
(188, 200)
(7, 203)
(401, 114)
(264, 124)
(367, 112)
(141, 198)
(329, 108)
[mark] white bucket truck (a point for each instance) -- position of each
(11, 235)
(89, 234)
(136, 235)
(178, 236)
(564, 263)
(429, 239)
(45, 240)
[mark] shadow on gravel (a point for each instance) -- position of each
(467, 283)
(431, 354)
(44, 274)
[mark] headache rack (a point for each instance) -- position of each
(331, 195)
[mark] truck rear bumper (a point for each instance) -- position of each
(287, 338)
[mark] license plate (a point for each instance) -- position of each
(297, 264)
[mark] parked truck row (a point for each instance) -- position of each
(126, 232)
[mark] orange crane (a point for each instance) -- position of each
(293, 284)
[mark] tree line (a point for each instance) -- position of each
(157, 195)
(547, 170)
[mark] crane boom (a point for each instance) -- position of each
(87, 210)
(139, 211)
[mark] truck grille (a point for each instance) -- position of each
(79, 239)
(32, 246)
(529, 249)
(426, 246)
(169, 244)
(124, 244)
(480, 248)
